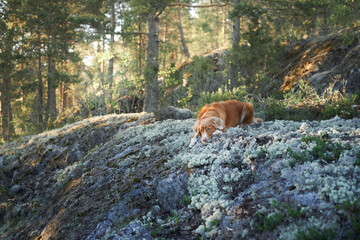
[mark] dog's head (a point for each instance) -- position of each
(207, 126)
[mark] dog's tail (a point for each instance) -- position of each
(247, 113)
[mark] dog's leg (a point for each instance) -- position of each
(193, 140)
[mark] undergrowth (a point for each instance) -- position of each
(307, 104)
(303, 104)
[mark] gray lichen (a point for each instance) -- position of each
(113, 177)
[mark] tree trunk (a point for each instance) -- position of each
(140, 49)
(165, 40)
(183, 42)
(6, 68)
(152, 66)
(40, 86)
(111, 60)
(224, 24)
(6, 111)
(65, 96)
(233, 71)
(51, 95)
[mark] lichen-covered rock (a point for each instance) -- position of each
(171, 191)
(170, 112)
(113, 177)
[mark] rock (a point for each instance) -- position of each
(144, 182)
(16, 189)
(171, 191)
(134, 231)
(171, 112)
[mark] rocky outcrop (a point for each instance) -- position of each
(322, 61)
(130, 177)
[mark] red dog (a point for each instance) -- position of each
(216, 117)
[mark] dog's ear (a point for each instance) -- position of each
(218, 123)
(196, 127)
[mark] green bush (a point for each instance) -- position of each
(222, 94)
(306, 104)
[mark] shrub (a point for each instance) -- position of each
(307, 104)
(222, 94)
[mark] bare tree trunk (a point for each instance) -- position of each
(111, 60)
(65, 96)
(51, 93)
(6, 111)
(51, 101)
(224, 22)
(140, 49)
(185, 48)
(40, 86)
(165, 39)
(6, 67)
(233, 71)
(152, 66)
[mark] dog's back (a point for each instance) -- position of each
(218, 116)
(232, 112)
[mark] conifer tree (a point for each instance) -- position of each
(151, 10)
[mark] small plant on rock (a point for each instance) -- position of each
(314, 234)
(283, 213)
(324, 149)
(352, 212)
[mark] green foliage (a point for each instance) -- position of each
(222, 94)
(352, 212)
(306, 104)
(298, 157)
(324, 149)
(82, 30)
(154, 233)
(270, 222)
(202, 79)
(186, 201)
(213, 224)
(283, 213)
(326, 234)
(175, 217)
(3, 191)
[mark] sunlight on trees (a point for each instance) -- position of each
(65, 61)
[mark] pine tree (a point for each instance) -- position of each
(151, 10)
(10, 33)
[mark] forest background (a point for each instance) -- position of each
(63, 61)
